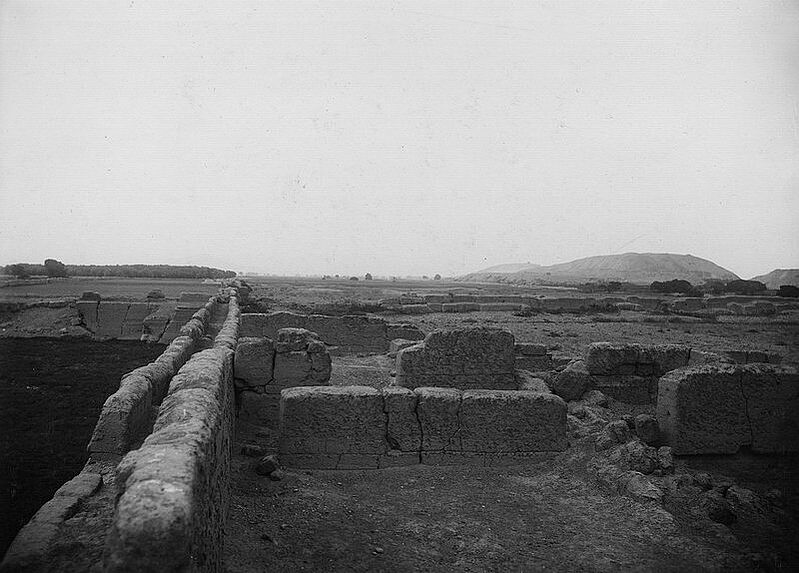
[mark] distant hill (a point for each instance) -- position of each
(640, 268)
(778, 277)
(510, 268)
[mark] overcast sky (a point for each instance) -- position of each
(398, 137)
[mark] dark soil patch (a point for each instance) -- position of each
(51, 392)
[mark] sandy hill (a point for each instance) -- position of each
(778, 277)
(641, 268)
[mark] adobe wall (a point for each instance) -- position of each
(189, 438)
(719, 408)
(126, 417)
(629, 372)
(358, 427)
(172, 493)
(464, 358)
(349, 334)
(146, 321)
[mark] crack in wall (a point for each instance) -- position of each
(124, 320)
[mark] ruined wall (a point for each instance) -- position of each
(127, 415)
(47, 541)
(629, 372)
(350, 334)
(146, 321)
(173, 491)
(465, 358)
(358, 427)
(717, 409)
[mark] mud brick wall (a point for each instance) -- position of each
(263, 367)
(465, 358)
(173, 491)
(358, 427)
(126, 417)
(147, 321)
(629, 372)
(717, 409)
(350, 334)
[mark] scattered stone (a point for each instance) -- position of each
(276, 475)
(629, 420)
(646, 427)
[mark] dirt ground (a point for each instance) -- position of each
(547, 515)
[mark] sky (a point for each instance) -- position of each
(398, 138)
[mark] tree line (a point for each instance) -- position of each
(54, 268)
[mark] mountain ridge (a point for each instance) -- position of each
(641, 268)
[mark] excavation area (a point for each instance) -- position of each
(51, 393)
(294, 425)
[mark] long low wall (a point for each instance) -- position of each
(350, 334)
(181, 466)
(127, 417)
(173, 491)
(358, 427)
(718, 409)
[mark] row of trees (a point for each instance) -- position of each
(54, 268)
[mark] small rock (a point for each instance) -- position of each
(647, 428)
(640, 458)
(378, 550)
(703, 480)
(717, 508)
(276, 475)
(595, 398)
(629, 420)
(665, 459)
(604, 442)
(572, 382)
(266, 465)
(619, 431)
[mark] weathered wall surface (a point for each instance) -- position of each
(173, 491)
(126, 417)
(717, 409)
(351, 334)
(629, 372)
(466, 358)
(199, 387)
(358, 427)
(147, 321)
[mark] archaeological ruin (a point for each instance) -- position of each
(159, 467)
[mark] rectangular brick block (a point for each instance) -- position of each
(332, 420)
(512, 421)
(254, 362)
